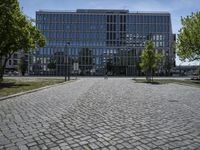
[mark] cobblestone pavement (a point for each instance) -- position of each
(103, 114)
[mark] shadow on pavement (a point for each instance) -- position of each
(12, 84)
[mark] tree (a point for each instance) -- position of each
(109, 65)
(51, 65)
(168, 64)
(16, 32)
(188, 42)
(149, 60)
(22, 65)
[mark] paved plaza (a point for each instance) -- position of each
(108, 114)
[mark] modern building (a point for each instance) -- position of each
(100, 41)
(12, 65)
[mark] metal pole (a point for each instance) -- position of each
(65, 62)
(68, 71)
(68, 67)
(65, 69)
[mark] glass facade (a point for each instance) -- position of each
(100, 41)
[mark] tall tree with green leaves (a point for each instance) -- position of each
(188, 43)
(149, 60)
(52, 66)
(17, 32)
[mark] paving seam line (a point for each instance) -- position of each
(31, 91)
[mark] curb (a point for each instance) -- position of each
(31, 91)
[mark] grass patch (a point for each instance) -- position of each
(187, 82)
(12, 86)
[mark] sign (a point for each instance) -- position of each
(76, 67)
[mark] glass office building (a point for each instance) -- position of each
(100, 41)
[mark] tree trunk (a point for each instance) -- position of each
(3, 68)
(4, 65)
(1, 73)
(151, 75)
(147, 76)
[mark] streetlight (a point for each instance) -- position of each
(66, 61)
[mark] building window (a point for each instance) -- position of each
(15, 56)
(15, 62)
(10, 62)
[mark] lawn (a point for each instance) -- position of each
(188, 82)
(13, 86)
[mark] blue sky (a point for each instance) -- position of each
(177, 8)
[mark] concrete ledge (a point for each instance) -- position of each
(31, 91)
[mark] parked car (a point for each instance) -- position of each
(15, 73)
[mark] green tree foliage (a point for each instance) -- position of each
(149, 60)
(51, 65)
(16, 32)
(168, 65)
(22, 66)
(188, 43)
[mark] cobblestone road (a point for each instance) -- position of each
(103, 114)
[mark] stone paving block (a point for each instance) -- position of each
(83, 142)
(43, 147)
(34, 148)
(93, 146)
(105, 143)
(55, 148)
(112, 148)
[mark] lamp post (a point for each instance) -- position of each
(68, 69)
(66, 61)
